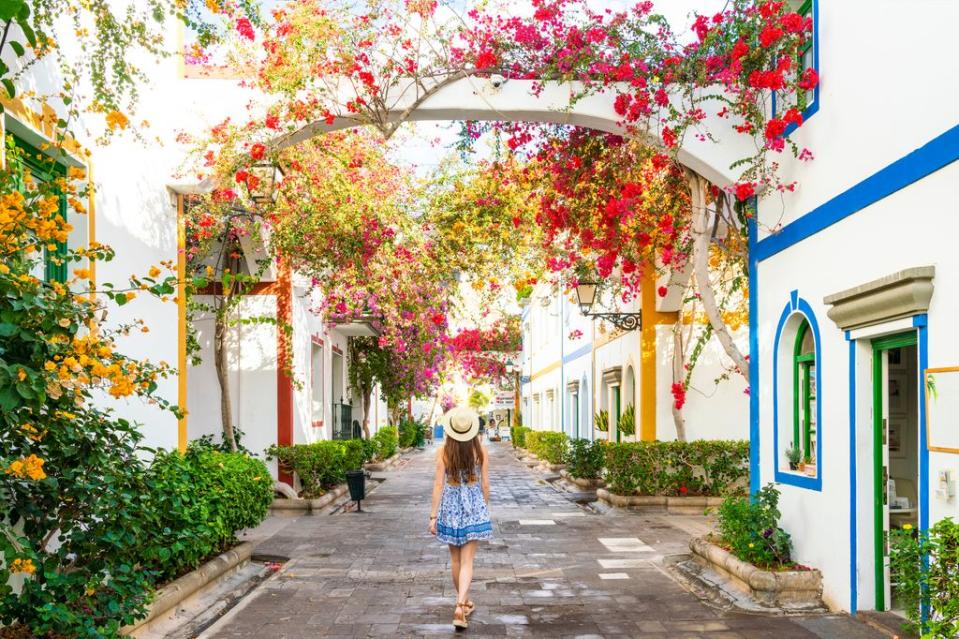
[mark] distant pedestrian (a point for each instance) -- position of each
(460, 512)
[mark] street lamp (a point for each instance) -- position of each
(268, 175)
(586, 296)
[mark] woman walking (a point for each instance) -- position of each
(460, 514)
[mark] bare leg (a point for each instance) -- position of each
(455, 565)
(467, 553)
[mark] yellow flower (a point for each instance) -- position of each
(4, 269)
(116, 120)
(82, 273)
(31, 466)
(130, 295)
(907, 526)
(154, 271)
(750, 544)
(25, 566)
(21, 374)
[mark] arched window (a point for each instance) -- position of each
(804, 393)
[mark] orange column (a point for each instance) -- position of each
(647, 350)
(284, 382)
(181, 322)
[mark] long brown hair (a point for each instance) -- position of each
(462, 459)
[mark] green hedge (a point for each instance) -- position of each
(547, 445)
(585, 458)
(677, 468)
(517, 435)
(925, 568)
(196, 503)
(322, 465)
(387, 441)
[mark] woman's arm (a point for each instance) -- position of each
(485, 473)
(437, 489)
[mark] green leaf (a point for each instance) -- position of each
(9, 9)
(17, 48)
(8, 85)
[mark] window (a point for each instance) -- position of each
(316, 367)
(806, 57)
(804, 394)
(43, 170)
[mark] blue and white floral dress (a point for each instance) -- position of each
(463, 514)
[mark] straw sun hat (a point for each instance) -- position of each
(461, 423)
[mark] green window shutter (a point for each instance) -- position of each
(804, 370)
(45, 169)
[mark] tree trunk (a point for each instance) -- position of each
(702, 223)
(367, 394)
(679, 358)
(222, 376)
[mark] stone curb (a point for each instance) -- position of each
(310, 505)
(587, 484)
(386, 463)
(784, 588)
(177, 591)
(675, 505)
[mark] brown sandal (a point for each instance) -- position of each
(469, 607)
(459, 617)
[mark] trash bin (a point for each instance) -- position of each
(356, 481)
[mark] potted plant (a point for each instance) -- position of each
(793, 455)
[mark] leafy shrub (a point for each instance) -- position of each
(940, 580)
(197, 502)
(412, 433)
(548, 445)
(585, 459)
(517, 435)
(750, 526)
(322, 465)
(677, 468)
(386, 440)
(627, 421)
(601, 419)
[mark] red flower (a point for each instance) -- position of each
(661, 98)
(793, 116)
(662, 291)
(486, 59)
(241, 176)
(792, 22)
(679, 395)
(272, 122)
(745, 190)
(245, 28)
(621, 105)
(775, 128)
(740, 50)
(257, 151)
(516, 221)
(769, 36)
(769, 9)
(669, 137)
(683, 490)
(809, 80)
(438, 319)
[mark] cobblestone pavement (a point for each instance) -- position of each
(552, 570)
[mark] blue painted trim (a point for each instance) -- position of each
(579, 352)
(754, 471)
(853, 489)
(927, 159)
(798, 305)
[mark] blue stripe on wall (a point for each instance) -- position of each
(938, 153)
(754, 479)
(579, 352)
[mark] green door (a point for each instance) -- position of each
(880, 411)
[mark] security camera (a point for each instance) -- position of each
(497, 81)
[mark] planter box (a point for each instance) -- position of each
(788, 589)
(176, 592)
(585, 484)
(310, 505)
(660, 503)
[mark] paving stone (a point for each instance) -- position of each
(547, 572)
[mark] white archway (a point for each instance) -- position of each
(472, 98)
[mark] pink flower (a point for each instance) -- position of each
(486, 59)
